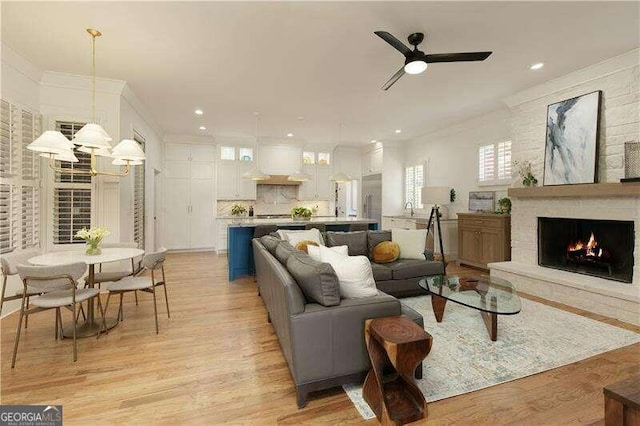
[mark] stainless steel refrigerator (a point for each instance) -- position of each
(372, 197)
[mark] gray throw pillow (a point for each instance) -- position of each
(283, 251)
(318, 281)
(270, 243)
(376, 237)
(356, 241)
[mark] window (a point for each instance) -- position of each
(245, 154)
(494, 163)
(138, 198)
(308, 157)
(19, 179)
(71, 193)
(324, 158)
(227, 153)
(413, 183)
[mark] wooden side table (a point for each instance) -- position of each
(622, 403)
(398, 341)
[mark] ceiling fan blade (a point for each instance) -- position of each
(393, 42)
(457, 57)
(393, 79)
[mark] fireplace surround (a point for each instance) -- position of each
(596, 247)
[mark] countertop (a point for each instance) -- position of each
(418, 218)
(251, 222)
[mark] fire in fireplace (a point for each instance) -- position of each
(602, 248)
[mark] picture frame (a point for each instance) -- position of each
(572, 140)
(482, 201)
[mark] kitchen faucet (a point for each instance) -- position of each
(411, 204)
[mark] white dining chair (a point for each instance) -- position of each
(57, 288)
(8, 264)
(152, 262)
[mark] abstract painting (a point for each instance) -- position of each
(572, 140)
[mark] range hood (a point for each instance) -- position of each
(278, 180)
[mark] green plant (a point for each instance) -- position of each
(238, 210)
(452, 195)
(505, 205)
(524, 171)
(301, 212)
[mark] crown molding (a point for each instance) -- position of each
(584, 75)
(190, 139)
(14, 60)
(143, 112)
(82, 82)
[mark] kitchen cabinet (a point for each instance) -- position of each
(319, 187)
(279, 159)
(189, 185)
(372, 161)
(389, 222)
(231, 183)
(483, 238)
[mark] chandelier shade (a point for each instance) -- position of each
(92, 136)
(101, 152)
(51, 142)
(128, 150)
(340, 177)
(120, 162)
(299, 177)
(256, 174)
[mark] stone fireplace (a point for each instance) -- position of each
(600, 248)
(552, 271)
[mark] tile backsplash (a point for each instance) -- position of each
(275, 199)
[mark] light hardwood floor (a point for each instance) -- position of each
(218, 360)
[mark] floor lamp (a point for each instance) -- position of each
(436, 196)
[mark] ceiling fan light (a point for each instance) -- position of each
(415, 67)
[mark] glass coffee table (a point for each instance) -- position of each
(490, 296)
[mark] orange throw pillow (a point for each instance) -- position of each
(386, 252)
(302, 245)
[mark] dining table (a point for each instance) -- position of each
(90, 327)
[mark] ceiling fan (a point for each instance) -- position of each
(417, 61)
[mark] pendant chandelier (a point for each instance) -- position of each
(339, 176)
(255, 173)
(91, 139)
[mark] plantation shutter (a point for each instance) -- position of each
(504, 160)
(72, 193)
(486, 163)
(409, 184)
(419, 183)
(138, 198)
(19, 178)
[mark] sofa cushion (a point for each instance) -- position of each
(270, 243)
(354, 274)
(356, 241)
(294, 236)
(376, 237)
(314, 251)
(412, 242)
(385, 252)
(381, 272)
(411, 268)
(318, 281)
(302, 245)
(283, 251)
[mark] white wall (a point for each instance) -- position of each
(392, 179)
(135, 118)
(20, 82)
(451, 155)
(619, 80)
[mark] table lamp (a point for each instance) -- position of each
(436, 196)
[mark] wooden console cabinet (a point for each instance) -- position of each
(483, 238)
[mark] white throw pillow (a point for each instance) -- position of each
(314, 251)
(354, 274)
(412, 242)
(295, 236)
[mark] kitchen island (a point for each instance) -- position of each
(240, 252)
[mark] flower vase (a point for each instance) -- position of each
(92, 248)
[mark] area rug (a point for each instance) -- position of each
(464, 359)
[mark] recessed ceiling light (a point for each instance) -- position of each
(398, 131)
(537, 66)
(199, 112)
(300, 118)
(203, 128)
(289, 135)
(373, 141)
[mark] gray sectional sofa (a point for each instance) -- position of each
(321, 335)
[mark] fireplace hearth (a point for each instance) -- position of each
(602, 248)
